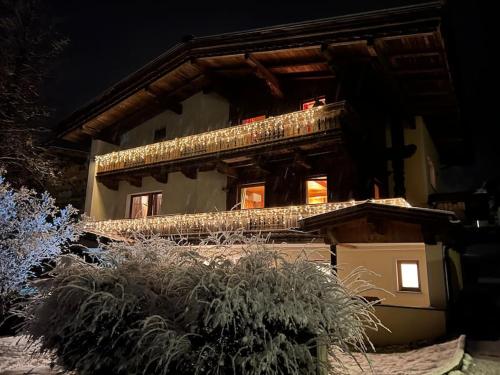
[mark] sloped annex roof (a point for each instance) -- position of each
(369, 222)
(407, 34)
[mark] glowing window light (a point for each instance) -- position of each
(408, 275)
(317, 191)
(263, 219)
(290, 125)
(252, 196)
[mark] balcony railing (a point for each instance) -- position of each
(251, 220)
(288, 126)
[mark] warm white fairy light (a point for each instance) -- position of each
(264, 219)
(290, 125)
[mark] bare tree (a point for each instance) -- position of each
(28, 46)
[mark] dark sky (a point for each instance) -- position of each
(111, 39)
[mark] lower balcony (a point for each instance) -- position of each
(277, 220)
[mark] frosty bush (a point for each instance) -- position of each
(32, 229)
(157, 306)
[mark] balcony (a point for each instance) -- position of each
(276, 219)
(312, 126)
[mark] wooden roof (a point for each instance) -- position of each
(375, 222)
(406, 44)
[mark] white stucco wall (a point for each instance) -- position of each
(201, 112)
(381, 258)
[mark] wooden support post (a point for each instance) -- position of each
(110, 182)
(225, 169)
(190, 172)
(134, 180)
(262, 72)
(160, 175)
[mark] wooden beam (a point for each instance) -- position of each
(163, 100)
(263, 73)
(217, 82)
(190, 172)
(225, 169)
(110, 183)
(134, 180)
(300, 160)
(160, 175)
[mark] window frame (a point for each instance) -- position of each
(312, 177)
(401, 288)
(243, 186)
(150, 201)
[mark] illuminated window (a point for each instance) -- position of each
(254, 119)
(317, 190)
(310, 103)
(252, 196)
(143, 205)
(408, 275)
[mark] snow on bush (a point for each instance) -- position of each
(230, 305)
(32, 229)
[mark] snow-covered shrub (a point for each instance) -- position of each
(32, 229)
(232, 305)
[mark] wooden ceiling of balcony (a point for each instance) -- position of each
(404, 45)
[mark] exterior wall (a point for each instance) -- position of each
(381, 258)
(410, 316)
(417, 167)
(314, 252)
(99, 200)
(200, 113)
(437, 278)
(180, 195)
(417, 181)
(408, 325)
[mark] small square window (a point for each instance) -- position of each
(408, 275)
(317, 190)
(252, 196)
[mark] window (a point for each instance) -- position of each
(310, 102)
(254, 119)
(316, 190)
(143, 205)
(252, 196)
(408, 276)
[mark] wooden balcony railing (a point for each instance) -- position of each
(288, 126)
(251, 220)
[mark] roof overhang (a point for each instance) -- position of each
(375, 222)
(407, 42)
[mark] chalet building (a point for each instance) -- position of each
(329, 134)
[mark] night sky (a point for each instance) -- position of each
(111, 39)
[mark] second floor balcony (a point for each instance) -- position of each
(309, 128)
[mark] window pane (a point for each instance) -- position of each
(310, 103)
(409, 275)
(317, 190)
(252, 196)
(254, 119)
(139, 206)
(156, 206)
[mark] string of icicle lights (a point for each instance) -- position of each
(290, 125)
(264, 219)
